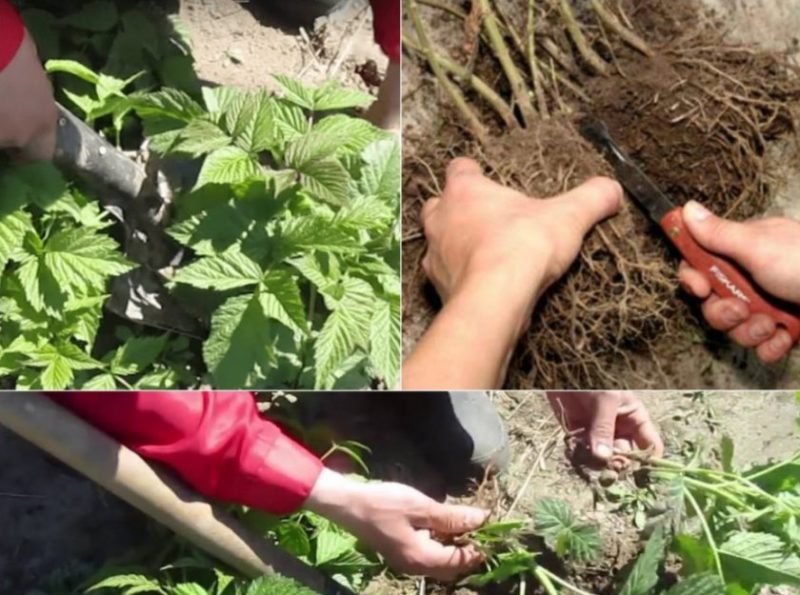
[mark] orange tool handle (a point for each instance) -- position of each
(725, 278)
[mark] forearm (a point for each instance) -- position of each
(216, 442)
(471, 341)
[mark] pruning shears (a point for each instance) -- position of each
(726, 279)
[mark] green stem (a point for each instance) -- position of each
(312, 306)
(707, 532)
(726, 479)
(707, 487)
(794, 460)
(542, 576)
(557, 579)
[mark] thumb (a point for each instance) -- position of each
(454, 518)
(727, 238)
(591, 202)
(603, 426)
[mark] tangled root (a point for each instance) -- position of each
(697, 113)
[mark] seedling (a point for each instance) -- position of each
(509, 556)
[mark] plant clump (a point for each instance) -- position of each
(695, 110)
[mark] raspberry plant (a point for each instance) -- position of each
(292, 232)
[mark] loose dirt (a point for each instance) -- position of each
(619, 318)
(245, 43)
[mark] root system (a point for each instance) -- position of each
(695, 110)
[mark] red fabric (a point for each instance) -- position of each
(216, 441)
(386, 17)
(12, 32)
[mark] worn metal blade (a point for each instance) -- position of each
(127, 193)
(654, 202)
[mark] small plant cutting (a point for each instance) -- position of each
(511, 553)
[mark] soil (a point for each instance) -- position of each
(59, 528)
(619, 318)
(245, 43)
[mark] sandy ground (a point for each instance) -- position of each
(58, 527)
(709, 362)
(240, 43)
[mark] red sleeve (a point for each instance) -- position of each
(216, 441)
(386, 17)
(12, 32)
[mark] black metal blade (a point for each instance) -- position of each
(655, 203)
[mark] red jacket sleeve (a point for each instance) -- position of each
(216, 441)
(12, 32)
(386, 18)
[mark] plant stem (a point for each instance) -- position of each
(445, 6)
(477, 84)
(473, 123)
(536, 75)
(627, 35)
(725, 479)
(542, 576)
(794, 460)
(557, 579)
(312, 306)
(518, 87)
(707, 532)
(574, 29)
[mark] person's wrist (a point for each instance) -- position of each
(507, 294)
(333, 495)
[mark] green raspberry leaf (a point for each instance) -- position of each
(228, 165)
(759, 559)
(346, 329)
(228, 270)
(385, 340)
(563, 533)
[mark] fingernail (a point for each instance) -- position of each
(697, 211)
(603, 451)
(760, 332)
(733, 315)
(475, 517)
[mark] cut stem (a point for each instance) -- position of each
(591, 57)
(473, 123)
(518, 87)
(536, 75)
(627, 35)
(478, 85)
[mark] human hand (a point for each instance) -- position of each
(611, 421)
(28, 116)
(385, 112)
(396, 520)
(768, 249)
(481, 232)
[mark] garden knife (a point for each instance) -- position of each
(126, 192)
(726, 279)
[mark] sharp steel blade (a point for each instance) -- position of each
(655, 203)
